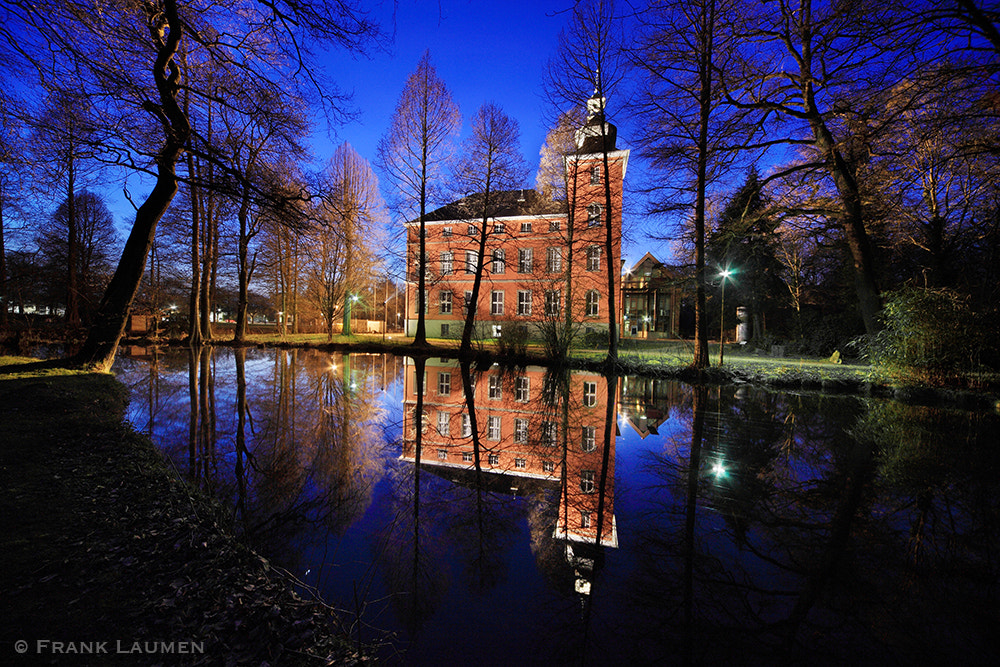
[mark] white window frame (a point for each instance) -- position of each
(593, 303)
(520, 430)
(594, 258)
(589, 394)
(524, 302)
(499, 264)
(522, 389)
(444, 423)
(495, 388)
(553, 259)
(496, 302)
(493, 428)
(444, 383)
(447, 262)
(525, 260)
(589, 438)
(446, 302)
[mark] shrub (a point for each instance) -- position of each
(928, 335)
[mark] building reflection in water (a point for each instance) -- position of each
(525, 428)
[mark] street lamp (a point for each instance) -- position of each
(722, 314)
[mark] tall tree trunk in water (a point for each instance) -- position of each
(98, 352)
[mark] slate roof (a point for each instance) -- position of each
(508, 203)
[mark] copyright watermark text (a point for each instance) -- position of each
(116, 647)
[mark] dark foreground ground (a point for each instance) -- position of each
(106, 558)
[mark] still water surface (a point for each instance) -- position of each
(585, 520)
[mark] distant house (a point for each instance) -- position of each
(651, 296)
(531, 251)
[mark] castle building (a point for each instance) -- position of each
(536, 248)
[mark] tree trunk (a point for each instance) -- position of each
(239, 335)
(98, 352)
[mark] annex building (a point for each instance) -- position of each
(543, 256)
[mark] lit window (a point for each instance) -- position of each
(590, 394)
(444, 383)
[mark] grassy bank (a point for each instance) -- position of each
(100, 542)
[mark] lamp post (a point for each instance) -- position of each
(722, 315)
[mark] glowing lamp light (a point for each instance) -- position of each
(718, 469)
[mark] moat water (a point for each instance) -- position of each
(593, 520)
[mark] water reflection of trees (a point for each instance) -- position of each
(780, 536)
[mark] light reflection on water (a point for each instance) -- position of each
(667, 524)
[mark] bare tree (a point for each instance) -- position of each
(354, 205)
(589, 59)
(412, 154)
(491, 164)
(688, 135)
(126, 62)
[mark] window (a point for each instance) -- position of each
(554, 225)
(526, 227)
(468, 302)
(442, 454)
(595, 175)
(520, 464)
(444, 424)
(493, 428)
(548, 466)
(471, 261)
(593, 299)
(584, 519)
(594, 215)
(446, 232)
(447, 261)
(466, 426)
(553, 260)
(522, 387)
(446, 302)
(472, 230)
(467, 457)
(494, 459)
(497, 330)
(520, 431)
(553, 302)
(444, 383)
(499, 261)
(594, 258)
(498, 228)
(550, 433)
(524, 302)
(587, 481)
(525, 257)
(495, 391)
(496, 302)
(589, 438)
(590, 394)
(445, 330)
